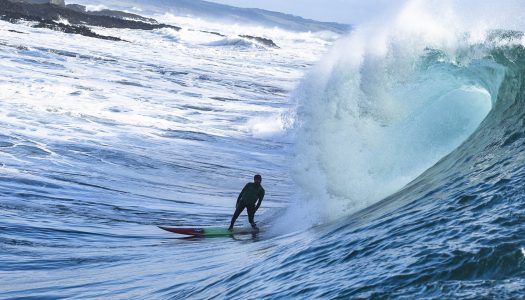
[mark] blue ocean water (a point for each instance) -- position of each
(391, 174)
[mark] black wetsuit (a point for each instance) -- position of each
(247, 199)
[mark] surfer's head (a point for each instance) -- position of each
(257, 179)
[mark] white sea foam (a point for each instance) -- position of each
(267, 126)
(166, 94)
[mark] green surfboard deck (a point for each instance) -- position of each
(209, 231)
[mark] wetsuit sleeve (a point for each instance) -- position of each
(261, 196)
(242, 192)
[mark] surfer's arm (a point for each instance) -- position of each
(240, 195)
(261, 196)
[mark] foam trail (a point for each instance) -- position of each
(387, 103)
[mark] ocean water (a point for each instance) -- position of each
(392, 160)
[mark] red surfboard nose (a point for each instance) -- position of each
(187, 231)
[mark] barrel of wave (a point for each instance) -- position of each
(386, 104)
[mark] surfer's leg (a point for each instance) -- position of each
(236, 214)
(251, 214)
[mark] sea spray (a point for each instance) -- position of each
(386, 104)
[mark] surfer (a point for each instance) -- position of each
(251, 193)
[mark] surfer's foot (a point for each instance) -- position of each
(254, 226)
(230, 228)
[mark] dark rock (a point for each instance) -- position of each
(83, 30)
(264, 41)
(53, 12)
(11, 30)
(49, 13)
(212, 32)
(48, 16)
(42, 23)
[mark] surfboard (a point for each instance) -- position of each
(208, 231)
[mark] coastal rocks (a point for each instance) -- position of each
(74, 18)
(53, 13)
(50, 16)
(83, 30)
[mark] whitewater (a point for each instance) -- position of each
(392, 158)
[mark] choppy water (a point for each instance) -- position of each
(102, 141)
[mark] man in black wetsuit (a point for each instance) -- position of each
(249, 195)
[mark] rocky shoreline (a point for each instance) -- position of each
(74, 18)
(51, 16)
